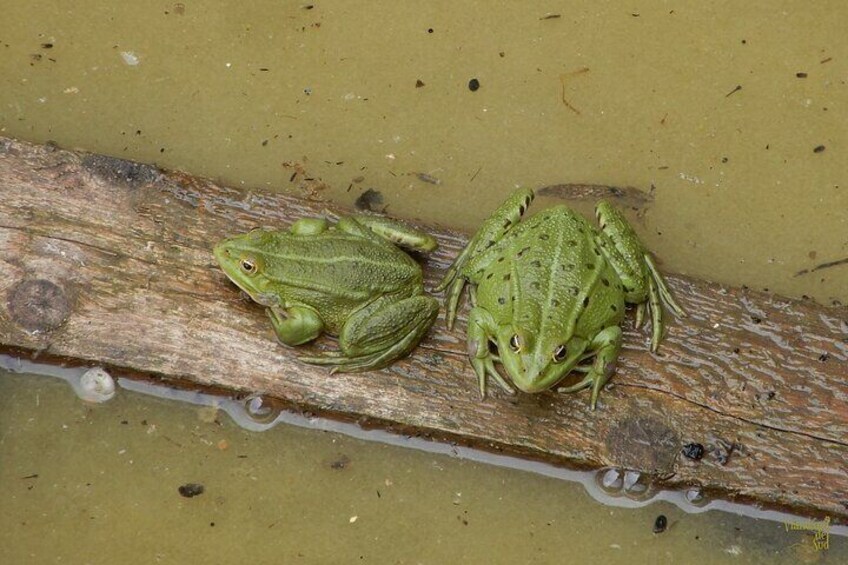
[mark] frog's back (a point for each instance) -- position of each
(551, 265)
(337, 273)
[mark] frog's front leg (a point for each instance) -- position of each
(643, 283)
(389, 230)
(299, 325)
(381, 332)
(505, 217)
(605, 346)
(481, 328)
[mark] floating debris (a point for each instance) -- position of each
(370, 200)
(190, 490)
(695, 496)
(130, 58)
(259, 409)
(95, 385)
(428, 178)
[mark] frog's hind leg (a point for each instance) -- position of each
(388, 229)
(634, 265)
(383, 331)
(606, 346)
(505, 217)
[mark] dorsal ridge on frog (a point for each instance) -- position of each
(349, 280)
(550, 293)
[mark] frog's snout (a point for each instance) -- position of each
(528, 379)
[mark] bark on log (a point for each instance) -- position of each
(109, 262)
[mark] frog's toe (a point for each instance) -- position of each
(484, 368)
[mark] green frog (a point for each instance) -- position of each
(550, 293)
(349, 280)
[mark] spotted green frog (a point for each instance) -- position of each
(349, 280)
(550, 293)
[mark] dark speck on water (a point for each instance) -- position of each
(660, 524)
(371, 200)
(190, 490)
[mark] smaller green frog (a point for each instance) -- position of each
(349, 280)
(550, 293)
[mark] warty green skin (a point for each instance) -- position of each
(349, 280)
(550, 293)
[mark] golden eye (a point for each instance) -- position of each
(248, 266)
(515, 343)
(560, 353)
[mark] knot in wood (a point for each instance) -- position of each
(38, 305)
(644, 444)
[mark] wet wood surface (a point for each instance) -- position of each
(109, 262)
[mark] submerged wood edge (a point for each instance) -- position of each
(106, 261)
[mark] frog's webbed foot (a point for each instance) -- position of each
(606, 346)
(482, 359)
(658, 295)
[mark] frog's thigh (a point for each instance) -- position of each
(606, 346)
(388, 325)
(623, 249)
(298, 326)
(309, 226)
(390, 230)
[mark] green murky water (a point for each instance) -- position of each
(732, 116)
(99, 483)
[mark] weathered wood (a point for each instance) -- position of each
(109, 261)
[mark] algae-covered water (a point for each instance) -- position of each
(727, 119)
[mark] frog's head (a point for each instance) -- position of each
(243, 260)
(535, 365)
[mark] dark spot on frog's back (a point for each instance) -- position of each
(120, 171)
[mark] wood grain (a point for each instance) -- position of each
(109, 262)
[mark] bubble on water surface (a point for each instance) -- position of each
(94, 385)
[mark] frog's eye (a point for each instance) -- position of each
(515, 343)
(248, 265)
(560, 353)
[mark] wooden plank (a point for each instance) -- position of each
(107, 261)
